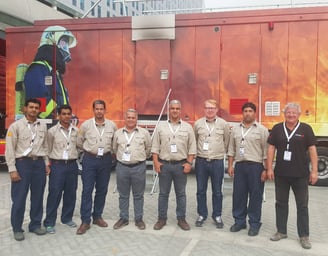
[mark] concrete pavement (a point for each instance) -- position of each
(171, 240)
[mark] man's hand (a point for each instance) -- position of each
(231, 171)
(157, 166)
(270, 174)
(313, 177)
(48, 170)
(264, 176)
(186, 167)
(15, 177)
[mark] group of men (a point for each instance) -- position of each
(32, 152)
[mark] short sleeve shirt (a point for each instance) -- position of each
(303, 138)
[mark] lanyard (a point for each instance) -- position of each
(102, 131)
(291, 135)
(67, 137)
(208, 128)
(128, 139)
(171, 129)
(243, 135)
(33, 133)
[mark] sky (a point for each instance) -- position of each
(245, 3)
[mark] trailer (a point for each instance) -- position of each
(269, 57)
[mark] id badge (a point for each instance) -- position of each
(287, 155)
(126, 157)
(48, 80)
(27, 151)
(65, 155)
(206, 146)
(174, 148)
(100, 152)
(241, 151)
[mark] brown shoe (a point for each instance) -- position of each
(83, 228)
(183, 224)
(159, 224)
(100, 222)
(120, 223)
(140, 224)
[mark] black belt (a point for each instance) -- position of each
(207, 159)
(248, 162)
(33, 158)
(55, 161)
(95, 155)
(173, 161)
(132, 165)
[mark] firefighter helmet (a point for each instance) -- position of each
(60, 36)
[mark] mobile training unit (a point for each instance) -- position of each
(269, 57)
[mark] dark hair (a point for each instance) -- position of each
(249, 105)
(32, 100)
(64, 107)
(99, 102)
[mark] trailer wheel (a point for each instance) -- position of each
(322, 166)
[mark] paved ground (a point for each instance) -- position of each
(171, 240)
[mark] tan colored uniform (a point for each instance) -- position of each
(212, 138)
(92, 136)
(255, 143)
(20, 138)
(165, 140)
(138, 148)
(61, 140)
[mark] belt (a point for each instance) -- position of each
(173, 161)
(248, 162)
(33, 158)
(69, 161)
(207, 159)
(95, 155)
(132, 165)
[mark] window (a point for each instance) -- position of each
(99, 11)
(108, 14)
(108, 2)
(82, 4)
(93, 10)
(74, 2)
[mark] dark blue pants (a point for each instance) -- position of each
(169, 173)
(95, 174)
(215, 170)
(62, 183)
(247, 186)
(33, 178)
(301, 193)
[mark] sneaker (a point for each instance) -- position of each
(305, 242)
(120, 223)
(253, 232)
(39, 231)
(19, 236)
(200, 221)
(183, 224)
(71, 224)
(160, 224)
(237, 228)
(278, 236)
(51, 230)
(218, 222)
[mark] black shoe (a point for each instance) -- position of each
(253, 232)
(39, 231)
(120, 223)
(200, 221)
(236, 228)
(218, 222)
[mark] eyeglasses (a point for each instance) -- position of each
(210, 108)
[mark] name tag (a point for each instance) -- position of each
(100, 151)
(126, 156)
(287, 155)
(241, 151)
(206, 146)
(174, 148)
(48, 80)
(65, 155)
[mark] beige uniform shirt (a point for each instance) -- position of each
(131, 148)
(92, 136)
(23, 135)
(254, 143)
(174, 142)
(212, 138)
(61, 140)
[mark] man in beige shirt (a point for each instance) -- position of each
(95, 139)
(173, 150)
(132, 147)
(248, 148)
(64, 170)
(212, 135)
(26, 157)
